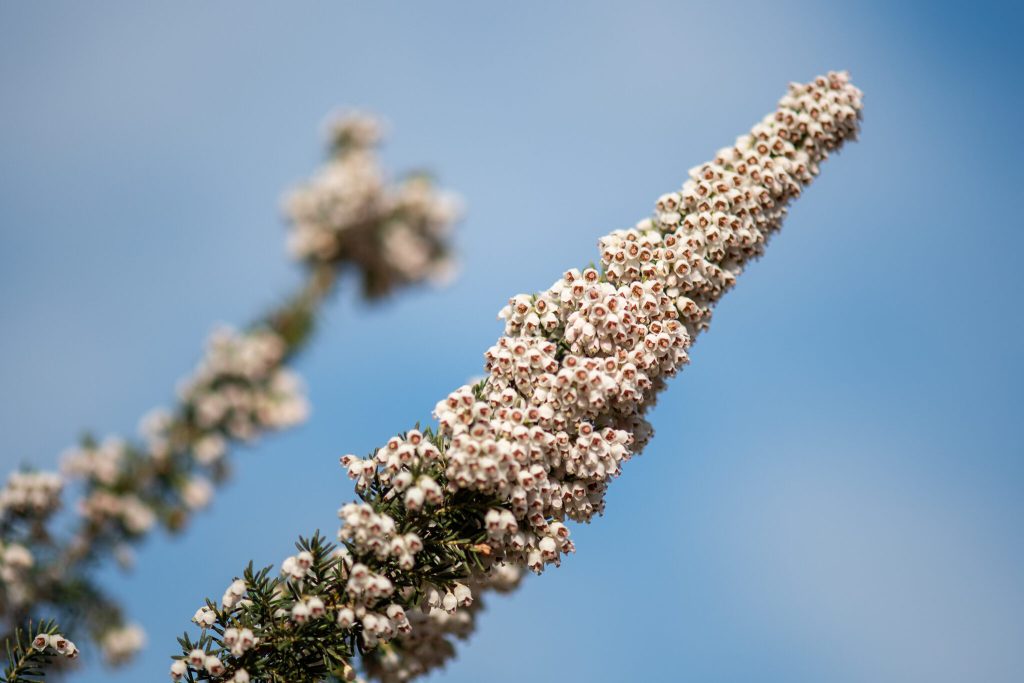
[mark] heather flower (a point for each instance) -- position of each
(178, 670)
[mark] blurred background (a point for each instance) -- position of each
(836, 488)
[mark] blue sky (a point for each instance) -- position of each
(836, 488)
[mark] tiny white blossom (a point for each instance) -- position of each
(449, 602)
(300, 613)
(346, 617)
(62, 645)
(304, 559)
(463, 594)
(178, 670)
(197, 493)
(316, 607)
(214, 665)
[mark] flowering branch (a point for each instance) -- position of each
(346, 217)
(448, 513)
(28, 656)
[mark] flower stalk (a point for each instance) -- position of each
(447, 513)
(348, 217)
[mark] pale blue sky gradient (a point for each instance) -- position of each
(836, 489)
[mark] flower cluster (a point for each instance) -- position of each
(403, 464)
(15, 562)
(374, 534)
(537, 442)
(100, 463)
(133, 515)
(35, 494)
(348, 213)
(393, 234)
(364, 596)
(233, 594)
(201, 661)
(55, 642)
(428, 645)
(240, 390)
